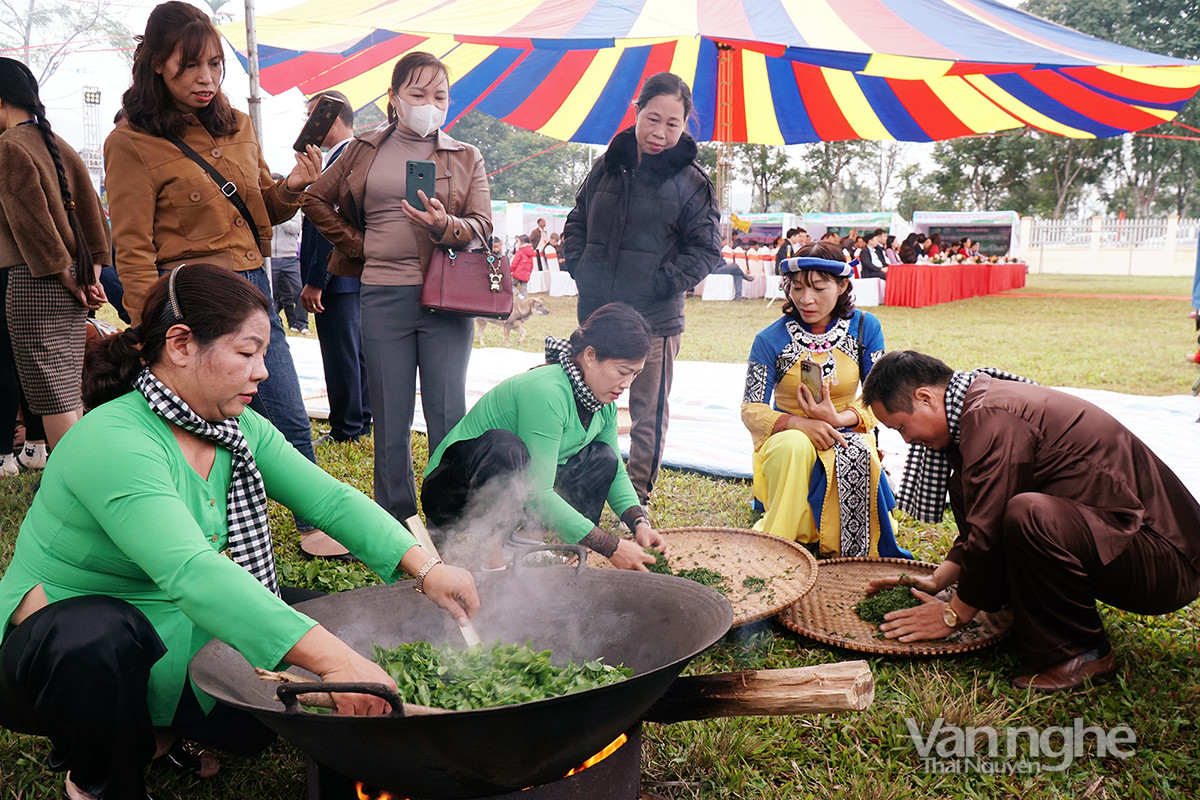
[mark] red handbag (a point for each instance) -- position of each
(470, 284)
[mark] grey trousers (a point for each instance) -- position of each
(400, 341)
(650, 414)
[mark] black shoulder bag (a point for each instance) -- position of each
(227, 188)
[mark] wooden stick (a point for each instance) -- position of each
(417, 528)
(823, 689)
(325, 699)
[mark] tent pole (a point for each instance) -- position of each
(252, 69)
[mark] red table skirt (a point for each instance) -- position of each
(916, 285)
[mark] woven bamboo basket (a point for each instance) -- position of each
(827, 612)
(762, 574)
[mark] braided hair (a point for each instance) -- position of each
(19, 88)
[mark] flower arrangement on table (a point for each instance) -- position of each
(938, 259)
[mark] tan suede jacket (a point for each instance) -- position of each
(334, 203)
(34, 230)
(166, 210)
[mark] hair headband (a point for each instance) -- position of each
(838, 269)
(172, 306)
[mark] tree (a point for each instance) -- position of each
(528, 167)
(982, 172)
(915, 192)
(828, 164)
(1067, 166)
(767, 168)
(885, 155)
(42, 33)
(1154, 175)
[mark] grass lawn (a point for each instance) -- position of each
(1127, 345)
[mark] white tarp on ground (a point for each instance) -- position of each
(706, 432)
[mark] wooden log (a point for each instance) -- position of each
(823, 689)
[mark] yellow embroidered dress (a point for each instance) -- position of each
(849, 514)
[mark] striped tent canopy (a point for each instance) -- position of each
(766, 71)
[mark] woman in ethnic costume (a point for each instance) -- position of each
(816, 469)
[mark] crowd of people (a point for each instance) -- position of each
(149, 533)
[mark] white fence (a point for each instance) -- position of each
(1151, 246)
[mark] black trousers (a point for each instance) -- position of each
(1056, 576)
(77, 672)
(478, 480)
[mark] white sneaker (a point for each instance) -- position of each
(8, 465)
(32, 456)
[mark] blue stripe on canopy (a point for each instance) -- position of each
(520, 83)
(891, 112)
(704, 91)
(613, 101)
(834, 59)
(1038, 100)
(468, 88)
(790, 112)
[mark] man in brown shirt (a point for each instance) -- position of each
(1057, 504)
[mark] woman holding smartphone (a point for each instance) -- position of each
(816, 469)
(361, 204)
(168, 209)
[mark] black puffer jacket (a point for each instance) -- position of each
(643, 233)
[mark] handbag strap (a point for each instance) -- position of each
(227, 188)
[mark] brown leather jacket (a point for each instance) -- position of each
(334, 204)
(166, 210)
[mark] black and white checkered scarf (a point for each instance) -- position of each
(249, 532)
(927, 472)
(558, 351)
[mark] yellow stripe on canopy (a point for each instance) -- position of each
(906, 68)
(762, 126)
(807, 16)
(1162, 113)
(1169, 77)
(683, 62)
(854, 106)
(660, 16)
(579, 102)
(366, 87)
(973, 109)
(1022, 111)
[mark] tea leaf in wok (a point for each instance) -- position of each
(481, 677)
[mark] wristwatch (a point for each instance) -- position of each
(949, 616)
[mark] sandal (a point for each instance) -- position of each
(188, 758)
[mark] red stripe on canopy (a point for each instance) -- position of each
(357, 64)
(1126, 87)
(981, 68)
(283, 76)
(880, 27)
(659, 60)
(826, 116)
(928, 111)
(542, 104)
(1092, 105)
(726, 16)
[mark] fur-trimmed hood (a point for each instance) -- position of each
(622, 152)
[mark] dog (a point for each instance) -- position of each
(523, 309)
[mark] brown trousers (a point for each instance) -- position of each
(650, 414)
(1055, 578)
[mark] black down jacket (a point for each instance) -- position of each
(644, 233)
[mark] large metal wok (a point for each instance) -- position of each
(654, 624)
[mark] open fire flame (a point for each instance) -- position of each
(363, 793)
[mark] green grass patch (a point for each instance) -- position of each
(1083, 342)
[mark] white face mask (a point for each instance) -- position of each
(421, 120)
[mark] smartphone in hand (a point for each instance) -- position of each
(316, 128)
(810, 376)
(418, 175)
